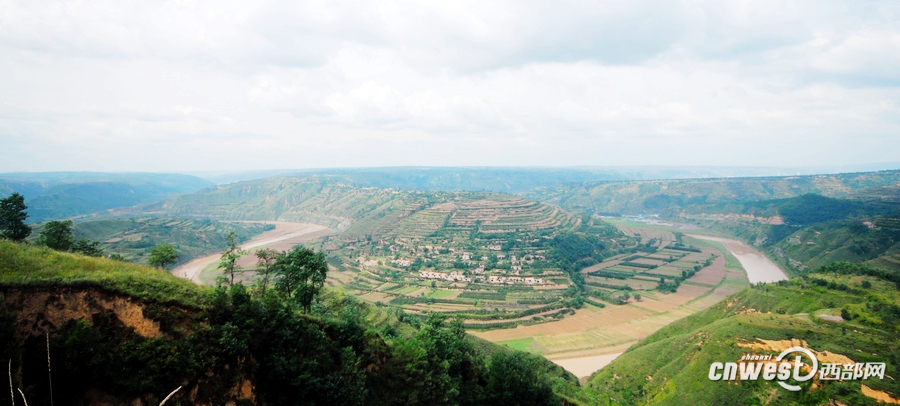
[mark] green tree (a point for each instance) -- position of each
(266, 261)
(228, 263)
(162, 256)
(87, 247)
(302, 274)
(516, 378)
(57, 235)
(117, 257)
(12, 218)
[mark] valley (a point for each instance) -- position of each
(594, 336)
(759, 268)
(557, 280)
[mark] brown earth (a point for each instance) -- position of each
(39, 311)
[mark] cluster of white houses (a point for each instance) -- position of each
(402, 262)
(455, 276)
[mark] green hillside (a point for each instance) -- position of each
(811, 230)
(124, 334)
(132, 238)
(658, 195)
(672, 365)
(59, 195)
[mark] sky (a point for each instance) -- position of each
(188, 86)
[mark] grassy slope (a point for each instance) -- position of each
(32, 266)
(23, 265)
(671, 366)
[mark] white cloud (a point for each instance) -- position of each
(202, 85)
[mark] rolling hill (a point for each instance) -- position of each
(811, 230)
(502, 179)
(356, 211)
(655, 196)
(59, 195)
(492, 259)
(845, 313)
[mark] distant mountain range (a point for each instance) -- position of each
(656, 196)
(58, 195)
(519, 179)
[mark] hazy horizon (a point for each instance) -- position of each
(191, 87)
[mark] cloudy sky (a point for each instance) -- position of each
(218, 85)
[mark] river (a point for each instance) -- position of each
(286, 233)
(759, 268)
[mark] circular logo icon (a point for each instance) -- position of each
(796, 375)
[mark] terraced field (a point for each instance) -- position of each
(363, 212)
(593, 336)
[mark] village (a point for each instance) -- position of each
(521, 261)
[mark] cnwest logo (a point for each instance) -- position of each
(753, 366)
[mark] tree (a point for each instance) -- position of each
(228, 263)
(88, 247)
(12, 218)
(517, 378)
(266, 260)
(302, 274)
(57, 235)
(162, 256)
(117, 257)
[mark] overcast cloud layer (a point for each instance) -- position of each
(216, 85)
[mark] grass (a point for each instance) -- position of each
(524, 344)
(27, 265)
(440, 294)
(408, 289)
(678, 356)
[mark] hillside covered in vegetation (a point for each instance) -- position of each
(121, 333)
(811, 230)
(845, 313)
